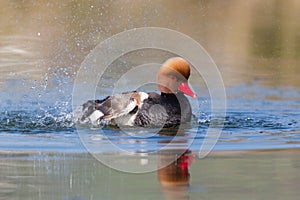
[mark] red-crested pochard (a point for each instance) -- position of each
(168, 109)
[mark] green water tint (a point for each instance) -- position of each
(222, 175)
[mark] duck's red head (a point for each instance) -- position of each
(173, 76)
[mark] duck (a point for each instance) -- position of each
(168, 109)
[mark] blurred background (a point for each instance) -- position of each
(249, 40)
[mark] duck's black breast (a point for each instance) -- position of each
(165, 110)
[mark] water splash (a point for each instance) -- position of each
(37, 121)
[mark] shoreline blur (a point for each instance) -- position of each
(248, 40)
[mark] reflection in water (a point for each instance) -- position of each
(175, 173)
(173, 167)
(231, 175)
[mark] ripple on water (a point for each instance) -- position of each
(249, 124)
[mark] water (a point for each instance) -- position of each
(226, 176)
(259, 123)
(255, 46)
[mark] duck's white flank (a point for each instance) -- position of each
(95, 116)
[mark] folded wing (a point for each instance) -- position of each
(118, 107)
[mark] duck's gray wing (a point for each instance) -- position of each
(112, 107)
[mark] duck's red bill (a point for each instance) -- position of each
(184, 87)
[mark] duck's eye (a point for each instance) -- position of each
(174, 78)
